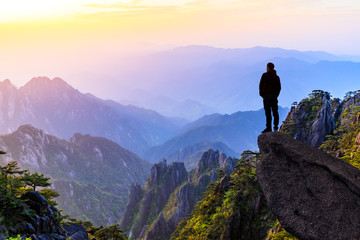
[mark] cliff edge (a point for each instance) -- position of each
(314, 195)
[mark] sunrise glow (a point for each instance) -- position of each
(50, 32)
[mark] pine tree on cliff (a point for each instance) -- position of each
(36, 180)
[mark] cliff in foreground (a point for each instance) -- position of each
(314, 195)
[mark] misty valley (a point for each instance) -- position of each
(179, 159)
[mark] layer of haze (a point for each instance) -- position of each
(87, 43)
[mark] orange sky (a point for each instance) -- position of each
(57, 38)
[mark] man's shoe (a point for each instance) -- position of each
(266, 130)
(276, 129)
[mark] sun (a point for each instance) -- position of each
(28, 10)
(20, 10)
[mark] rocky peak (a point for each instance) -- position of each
(30, 130)
(45, 82)
(6, 85)
(136, 192)
(314, 195)
(170, 175)
(323, 125)
(156, 172)
(76, 138)
(351, 101)
(311, 120)
(44, 87)
(213, 159)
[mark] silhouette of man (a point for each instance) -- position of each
(269, 89)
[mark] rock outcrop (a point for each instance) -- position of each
(170, 194)
(76, 232)
(162, 181)
(182, 201)
(309, 124)
(43, 224)
(314, 195)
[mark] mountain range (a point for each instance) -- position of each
(92, 174)
(57, 108)
(229, 133)
(226, 80)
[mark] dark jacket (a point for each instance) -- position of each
(270, 86)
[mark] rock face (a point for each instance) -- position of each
(162, 181)
(170, 194)
(190, 154)
(43, 224)
(76, 232)
(314, 195)
(323, 125)
(309, 126)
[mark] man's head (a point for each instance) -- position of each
(270, 66)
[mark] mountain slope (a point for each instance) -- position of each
(231, 208)
(88, 172)
(61, 110)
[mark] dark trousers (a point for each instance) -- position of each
(271, 105)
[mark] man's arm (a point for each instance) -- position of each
(261, 85)
(278, 86)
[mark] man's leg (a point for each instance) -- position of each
(274, 108)
(267, 107)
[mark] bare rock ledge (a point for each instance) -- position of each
(314, 195)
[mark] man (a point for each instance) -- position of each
(269, 90)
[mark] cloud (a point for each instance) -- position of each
(111, 10)
(135, 2)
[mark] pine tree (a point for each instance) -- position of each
(49, 194)
(36, 180)
(112, 232)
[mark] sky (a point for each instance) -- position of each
(67, 38)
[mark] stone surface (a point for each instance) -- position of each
(171, 193)
(314, 195)
(358, 138)
(76, 232)
(322, 126)
(160, 230)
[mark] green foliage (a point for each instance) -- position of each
(112, 232)
(289, 125)
(49, 194)
(345, 143)
(13, 182)
(36, 180)
(11, 188)
(350, 94)
(18, 237)
(279, 233)
(212, 214)
(283, 235)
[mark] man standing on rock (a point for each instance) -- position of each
(269, 90)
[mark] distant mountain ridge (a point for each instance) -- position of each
(92, 174)
(231, 134)
(227, 79)
(61, 110)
